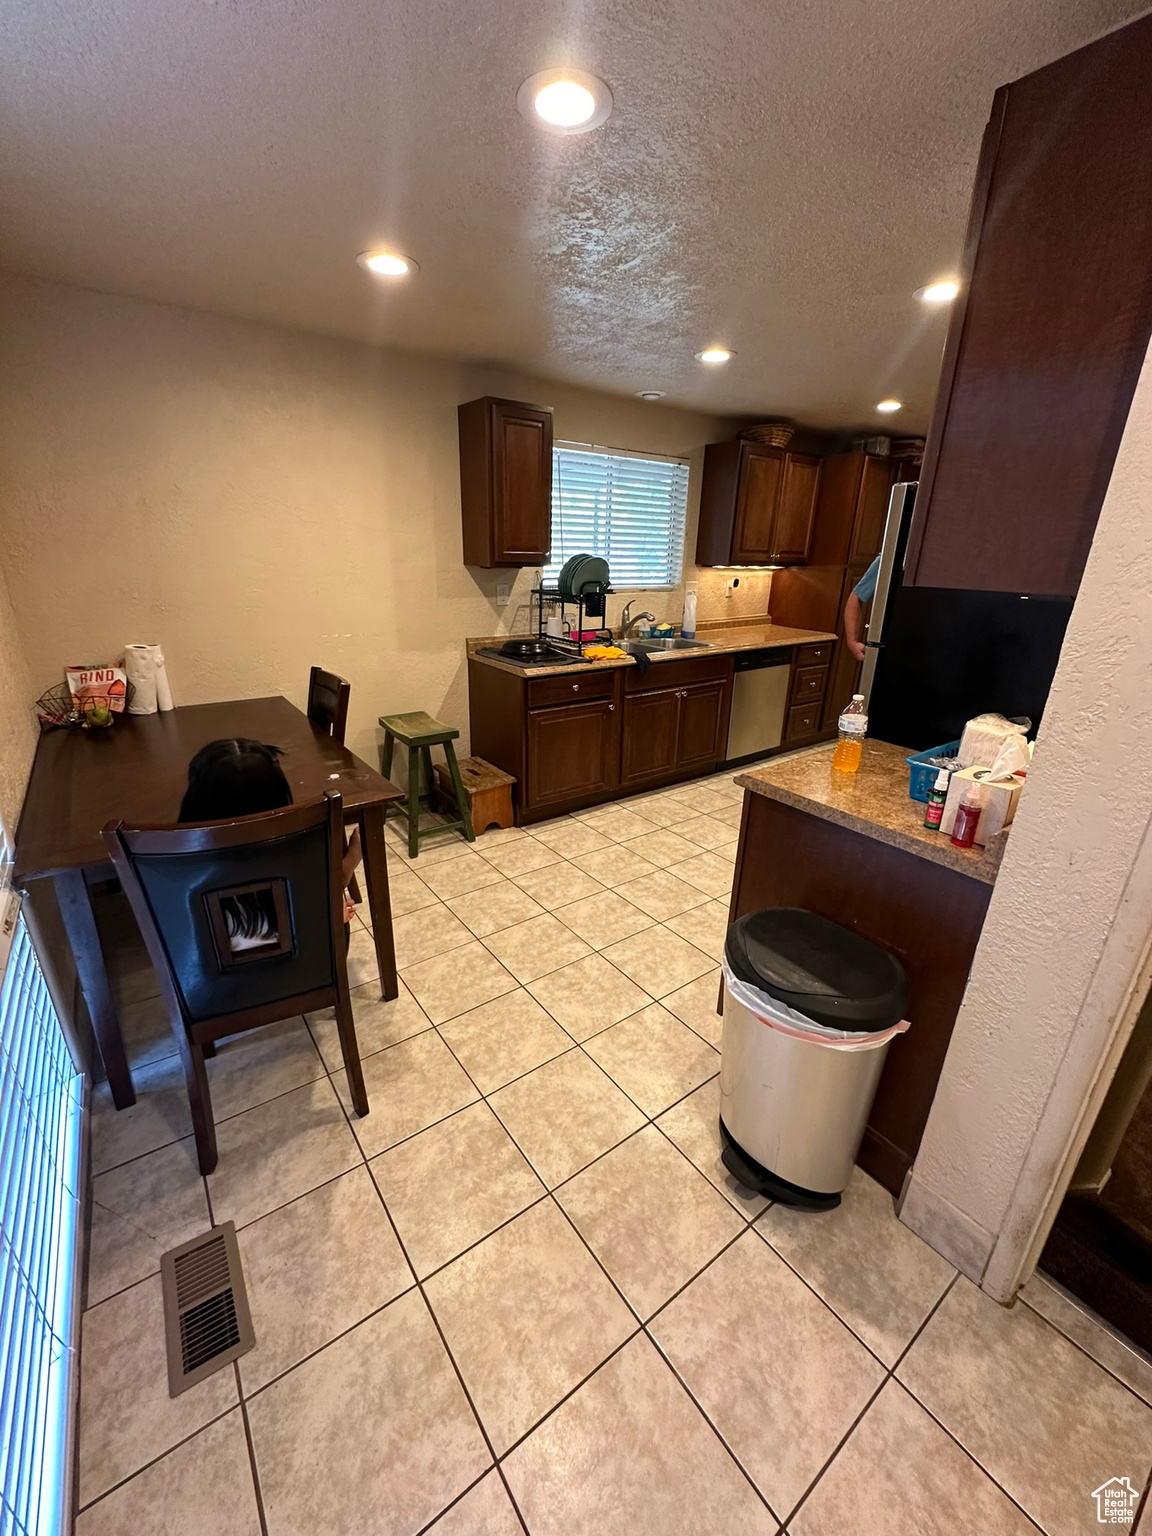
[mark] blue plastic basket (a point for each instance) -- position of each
(920, 776)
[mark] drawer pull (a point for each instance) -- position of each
(575, 687)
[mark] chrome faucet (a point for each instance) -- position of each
(627, 621)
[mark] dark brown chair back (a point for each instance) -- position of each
(183, 883)
(328, 697)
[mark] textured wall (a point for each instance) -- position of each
(17, 720)
(1064, 935)
(259, 500)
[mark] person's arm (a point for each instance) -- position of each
(861, 594)
(853, 619)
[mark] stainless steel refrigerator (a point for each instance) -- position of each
(936, 656)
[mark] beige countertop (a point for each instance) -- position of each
(873, 801)
(721, 640)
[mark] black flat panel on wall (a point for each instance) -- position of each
(949, 655)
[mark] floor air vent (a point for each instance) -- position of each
(206, 1319)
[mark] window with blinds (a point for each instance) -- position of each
(40, 1106)
(626, 508)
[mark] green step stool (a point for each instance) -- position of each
(420, 733)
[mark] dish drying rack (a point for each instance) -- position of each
(552, 598)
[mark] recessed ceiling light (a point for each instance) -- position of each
(888, 406)
(651, 394)
(714, 355)
(564, 100)
(938, 293)
(387, 263)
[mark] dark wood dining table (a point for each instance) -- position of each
(137, 770)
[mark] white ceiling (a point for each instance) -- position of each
(778, 176)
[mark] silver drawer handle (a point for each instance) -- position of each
(575, 687)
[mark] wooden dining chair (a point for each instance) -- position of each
(186, 885)
(328, 697)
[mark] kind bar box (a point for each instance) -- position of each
(97, 688)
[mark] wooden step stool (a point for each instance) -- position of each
(489, 791)
(420, 733)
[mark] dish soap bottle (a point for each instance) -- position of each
(853, 724)
(934, 810)
(688, 623)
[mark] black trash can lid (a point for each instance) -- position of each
(818, 968)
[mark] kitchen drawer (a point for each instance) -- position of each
(814, 655)
(678, 674)
(808, 684)
(571, 688)
(803, 720)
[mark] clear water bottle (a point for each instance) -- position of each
(853, 724)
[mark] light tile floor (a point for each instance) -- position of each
(523, 1294)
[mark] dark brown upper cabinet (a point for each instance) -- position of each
(1046, 340)
(505, 482)
(852, 508)
(757, 505)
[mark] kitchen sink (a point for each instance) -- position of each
(678, 643)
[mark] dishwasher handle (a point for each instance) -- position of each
(775, 656)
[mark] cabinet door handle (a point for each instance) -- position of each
(611, 709)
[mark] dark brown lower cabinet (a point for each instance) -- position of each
(673, 730)
(651, 735)
(583, 736)
(703, 725)
(573, 751)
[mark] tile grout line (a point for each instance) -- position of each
(888, 1376)
(641, 1329)
(1139, 1396)
(251, 1451)
(892, 1376)
(148, 1465)
(642, 1325)
(435, 1320)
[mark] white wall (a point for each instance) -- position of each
(259, 500)
(18, 730)
(1070, 919)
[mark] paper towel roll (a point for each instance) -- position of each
(163, 686)
(140, 665)
(151, 690)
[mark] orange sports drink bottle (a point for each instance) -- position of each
(853, 723)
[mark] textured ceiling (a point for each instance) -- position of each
(778, 176)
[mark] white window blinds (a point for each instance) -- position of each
(627, 509)
(40, 1105)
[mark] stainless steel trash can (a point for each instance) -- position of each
(810, 1010)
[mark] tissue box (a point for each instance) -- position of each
(999, 802)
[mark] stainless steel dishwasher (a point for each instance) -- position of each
(759, 703)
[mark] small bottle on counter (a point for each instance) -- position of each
(934, 810)
(967, 817)
(853, 724)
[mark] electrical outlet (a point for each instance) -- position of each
(503, 596)
(730, 585)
